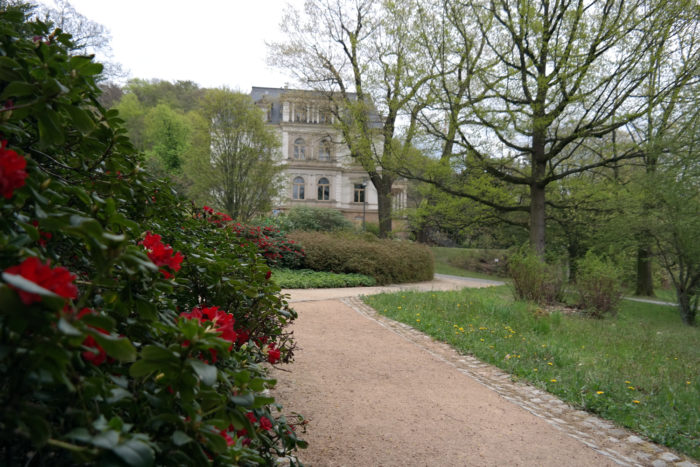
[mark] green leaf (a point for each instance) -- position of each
(37, 427)
(206, 373)
(68, 329)
(81, 119)
(135, 453)
(180, 438)
(25, 285)
(50, 131)
(157, 354)
(118, 394)
(106, 440)
(142, 368)
(17, 89)
(245, 400)
(119, 348)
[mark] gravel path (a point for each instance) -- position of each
(378, 393)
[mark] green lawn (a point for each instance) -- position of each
(640, 369)
(442, 266)
(307, 279)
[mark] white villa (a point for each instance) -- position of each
(319, 170)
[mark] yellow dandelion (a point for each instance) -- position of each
(636, 401)
(461, 329)
(550, 363)
(417, 314)
(600, 392)
(631, 388)
(628, 382)
(417, 321)
(482, 340)
(687, 382)
(398, 307)
(534, 369)
(553, 380)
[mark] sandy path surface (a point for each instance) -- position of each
(373, 398)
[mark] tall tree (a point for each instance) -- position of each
(526, 84)
(237, 170)
(363, 55)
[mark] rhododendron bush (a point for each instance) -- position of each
(133, 329)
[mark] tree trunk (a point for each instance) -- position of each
(384, 210)
(686, 306)
(645, 280)
(537, 219)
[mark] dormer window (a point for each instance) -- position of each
(299, 149)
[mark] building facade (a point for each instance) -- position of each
(319, 171)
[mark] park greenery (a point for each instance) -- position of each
(309, 279)
(135, 328)
(640, 369)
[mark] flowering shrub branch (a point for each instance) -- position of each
(135, 330)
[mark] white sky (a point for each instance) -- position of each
(211, 42)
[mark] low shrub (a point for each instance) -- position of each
(492, 262)
(535, 280)
(599, 285)
(388, 261)
(278, 250)
(308, 279)
(309, 219)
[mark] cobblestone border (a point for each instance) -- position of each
(619, 445)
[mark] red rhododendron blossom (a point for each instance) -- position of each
(242, 336)
(265, 423)
(251, 417)
(58, 280)
(273, 355)
(268, 274)
(12, 173)
(223, 322)
(96, 354)
(161, 254)
(229, 440)
(44, 237)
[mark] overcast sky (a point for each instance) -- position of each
(211, 42)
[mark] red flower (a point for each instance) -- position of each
(229, 440)
(96, 355)
(251, 417)
(162, 255)
(242, 336)
(273, 355)
(12, 173)
(58, 280)
(268, 274)
(44, 237)
(265, 423)
(223, 321)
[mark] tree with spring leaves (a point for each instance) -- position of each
(525, 86)
(236, 170)
(362, 55)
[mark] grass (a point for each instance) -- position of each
(308, 279)
(640, 369)
(442, 256)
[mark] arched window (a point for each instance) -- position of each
(324, 150)
(298, 188)
(324, 189)
(299, 149)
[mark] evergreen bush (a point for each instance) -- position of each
(388, 261)
(133, 331)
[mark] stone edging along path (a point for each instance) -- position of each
(619, 445)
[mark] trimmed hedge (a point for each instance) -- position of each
(388, 261)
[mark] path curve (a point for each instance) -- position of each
(379, 393)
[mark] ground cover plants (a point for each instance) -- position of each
(640, 369)
(387, 261)
(308, 279)
(135, 328)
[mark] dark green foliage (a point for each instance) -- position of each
(534, 280)
(388, 261)
(598, 285)
(114, 374)
(309, 219)
(307, 279)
